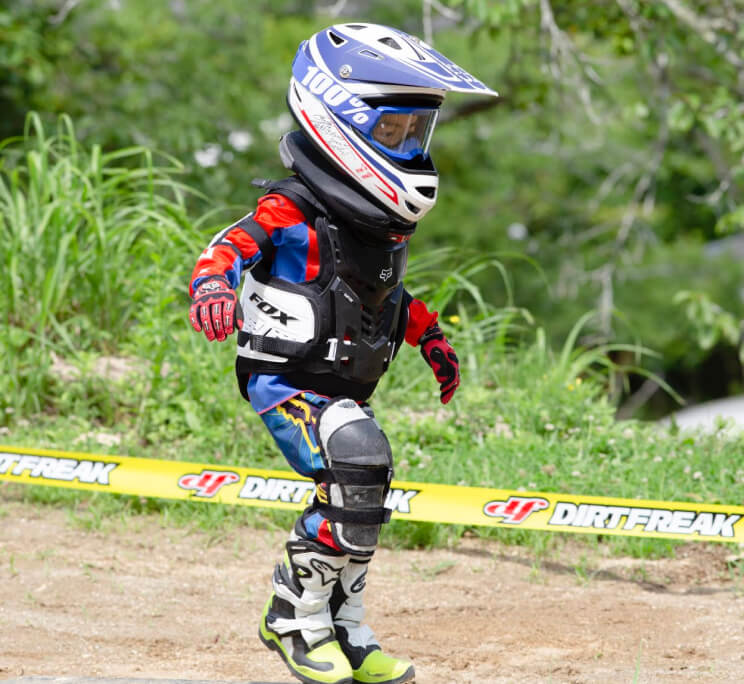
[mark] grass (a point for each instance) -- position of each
(98, 251)
(90, 241)
(527, 432)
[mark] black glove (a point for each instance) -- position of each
(440, 355)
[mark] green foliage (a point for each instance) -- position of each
(711, 323)
(733, 221)
(26, 62)
(73, 221)
(611, 162)
(522, 421)
(99, 355)
(616, 143)
(493, 14)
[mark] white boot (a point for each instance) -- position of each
(297, 622)
(369, 664)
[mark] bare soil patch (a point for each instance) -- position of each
(140, 599)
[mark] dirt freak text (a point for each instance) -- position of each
(298, 491)
(653, 520)
(55, 468)
(209, 482)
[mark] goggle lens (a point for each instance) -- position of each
(404, 132)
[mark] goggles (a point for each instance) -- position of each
(404, 132)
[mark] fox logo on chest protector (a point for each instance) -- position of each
(270, 310)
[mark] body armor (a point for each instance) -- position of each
(349, 321)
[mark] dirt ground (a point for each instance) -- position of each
(143, 600)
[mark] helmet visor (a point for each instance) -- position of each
(404, 132)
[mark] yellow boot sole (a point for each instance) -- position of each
(329, 653)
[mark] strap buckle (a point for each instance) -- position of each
(332, 354)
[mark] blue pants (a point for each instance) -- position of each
(292, 425)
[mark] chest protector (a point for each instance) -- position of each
(348, 321)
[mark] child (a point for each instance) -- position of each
(322, 314)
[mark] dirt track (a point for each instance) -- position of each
(141, 600)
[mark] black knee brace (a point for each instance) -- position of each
(357, 478)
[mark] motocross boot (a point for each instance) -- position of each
(297, 623)
(369, 664)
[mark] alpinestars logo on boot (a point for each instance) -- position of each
(328, 574)
(359, 583)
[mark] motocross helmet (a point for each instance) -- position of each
(368, 97)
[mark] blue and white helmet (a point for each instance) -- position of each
(368, 96)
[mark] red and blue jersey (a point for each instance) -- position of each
(296, 260)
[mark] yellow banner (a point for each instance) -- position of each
(408, 500)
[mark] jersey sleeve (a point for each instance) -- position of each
(419, 319)
(233, 250)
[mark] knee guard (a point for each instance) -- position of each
(357, 478)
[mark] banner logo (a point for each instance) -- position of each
(410, 501)
(208, 482)
(515, 509)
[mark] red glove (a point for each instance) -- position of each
(440, 355)
(215, 309)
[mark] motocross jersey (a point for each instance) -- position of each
(307, 302)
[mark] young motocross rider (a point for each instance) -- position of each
(323, 312)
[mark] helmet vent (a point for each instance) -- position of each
(390, 42)
(336, 39)
(412, 208)
(369, 53)
(356, 27)
(427, 191)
